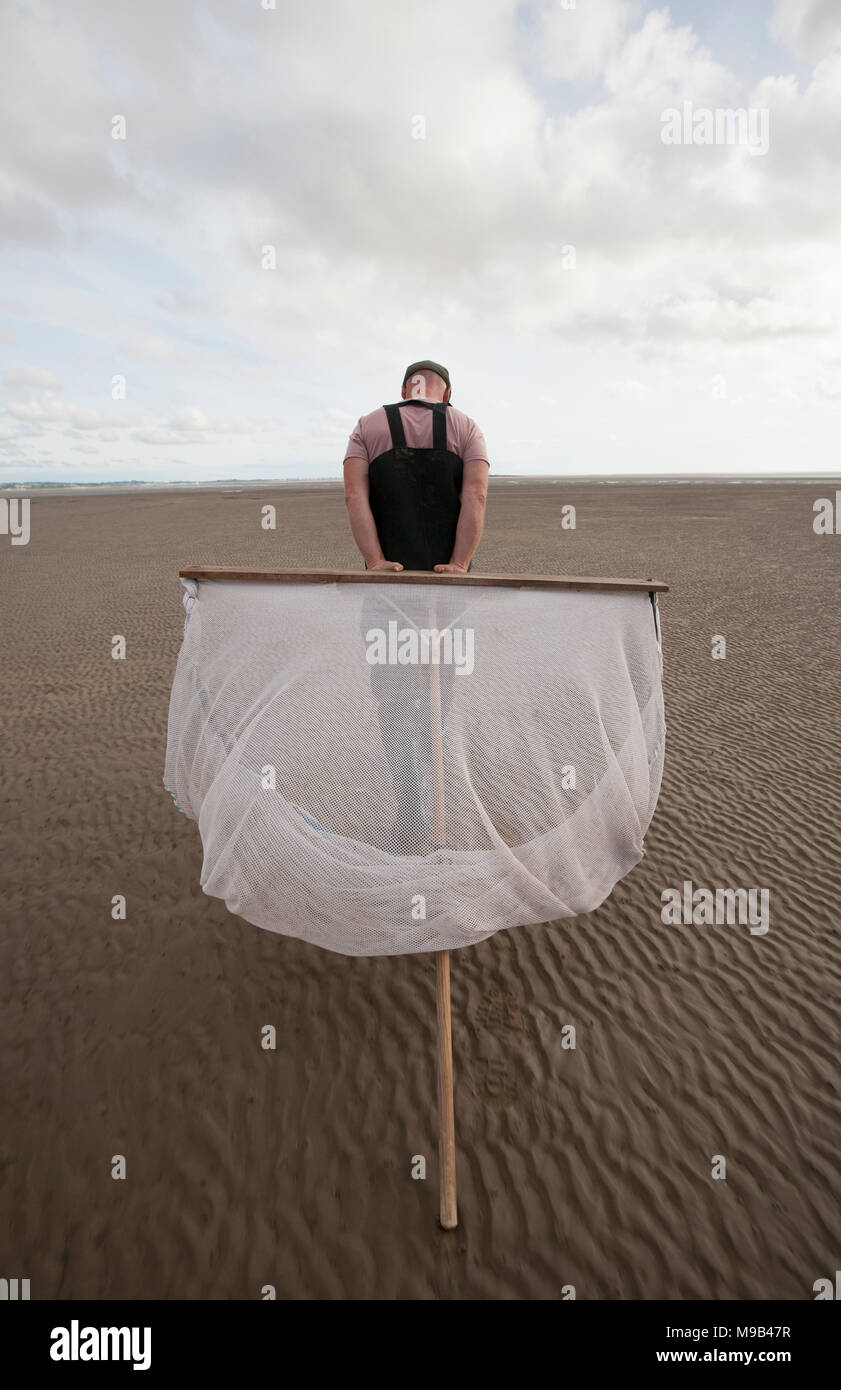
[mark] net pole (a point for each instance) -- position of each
(446, 1103)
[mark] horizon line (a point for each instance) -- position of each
(501, 477)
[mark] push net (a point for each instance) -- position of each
(399, 767)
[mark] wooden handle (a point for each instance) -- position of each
(446, 1106)
(494, 581)
(439, 813)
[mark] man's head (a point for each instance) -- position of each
(426, 381)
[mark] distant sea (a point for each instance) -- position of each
(236, 485)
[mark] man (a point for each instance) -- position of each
(416, 479)
(416, 482)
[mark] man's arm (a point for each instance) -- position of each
(362, 524)
(474, 495)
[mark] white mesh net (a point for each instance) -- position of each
(352, 791)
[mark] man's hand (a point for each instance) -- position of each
(385, 565)
(450, 569)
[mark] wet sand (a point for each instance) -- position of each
(590, 1167)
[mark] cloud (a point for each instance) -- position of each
(47, 410)
(189, 418)
(165, 436)
(178, 301)
(36, 377)
(701, 315)
(9, 429)
(243, 131)
(153, 347)
(324, 171)
(576, 43)
(809, 28)
(628, 390)
(191, 425)
(28, 221)
(334, 426)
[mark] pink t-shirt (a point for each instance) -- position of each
(372, 436)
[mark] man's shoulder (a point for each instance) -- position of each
(372, 415)
(460, 418)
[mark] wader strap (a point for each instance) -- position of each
(395, 424)
(439, 424)
(439, 427)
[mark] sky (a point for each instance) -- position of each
(227, 227)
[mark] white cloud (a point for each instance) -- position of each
(191, 425)
(36, 377)
(578, 42)
(9, 429)
(189, 418)
(334, 426)
(166, 436)
(153, 347)
(244, 130)
(628, 390)
(179, 301)
(48, 410)
(809, 28)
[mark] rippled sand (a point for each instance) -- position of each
(589, 1167)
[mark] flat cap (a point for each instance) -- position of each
(426, 367)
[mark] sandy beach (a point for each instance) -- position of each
(589, 1167)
